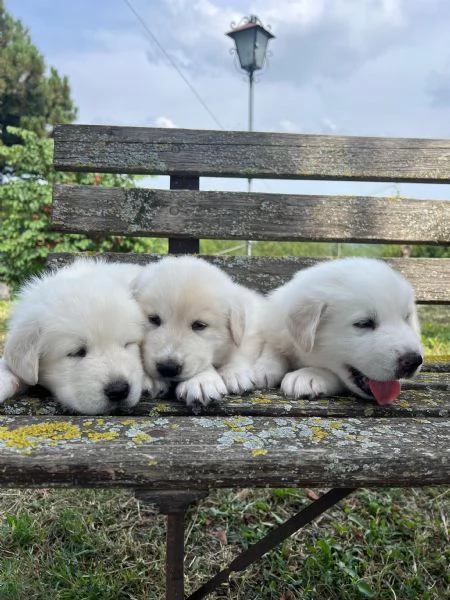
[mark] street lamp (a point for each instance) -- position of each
(251, 39)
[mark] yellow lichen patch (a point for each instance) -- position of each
(100, 422)
(129, 422)
(404, 403)
(318, 434)
(261, 400)
(31, 436)
(336, 426)
(233, 425)
(174, 426)
(259, 452)
(152, 462)
(141, 438)
(100, 436)
(238, 424)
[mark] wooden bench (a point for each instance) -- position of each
(167, 455)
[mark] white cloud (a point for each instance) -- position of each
(164, 122)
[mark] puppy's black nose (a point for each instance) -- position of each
(408, 363)
(117, 390)
(169, 368)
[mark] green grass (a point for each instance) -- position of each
(85, 544)
(104, 545)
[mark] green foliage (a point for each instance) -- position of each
(431, 251)
(25, 210)
(237, 247)
(29, 98)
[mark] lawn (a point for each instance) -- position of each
(103, 545)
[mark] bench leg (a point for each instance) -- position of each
(174, 504)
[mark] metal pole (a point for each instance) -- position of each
(250, 128)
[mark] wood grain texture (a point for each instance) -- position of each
(249, 154)
(199, 452)
(430, 277)
(242, 216)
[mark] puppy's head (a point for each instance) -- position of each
(194, 317)
(77, 332)
(357, 317)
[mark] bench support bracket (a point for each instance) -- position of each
(272, 539)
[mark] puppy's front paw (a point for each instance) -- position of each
(201, 388)
(155, 388)
(268, 374)
(308, 382)
(237, 380)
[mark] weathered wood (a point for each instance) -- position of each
(430, 277)
(428, 396)
(256, 216)
(249, 154)
(201, 452)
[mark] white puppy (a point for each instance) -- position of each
(77, 331)
(346, 324)
(203, 330)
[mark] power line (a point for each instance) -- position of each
(172, 62)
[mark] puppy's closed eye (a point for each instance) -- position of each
(79, 353)
(369, 323)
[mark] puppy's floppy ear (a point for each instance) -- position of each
(302, 322)
(236, 322)
(22, 351)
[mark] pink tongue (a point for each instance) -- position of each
(385, 392)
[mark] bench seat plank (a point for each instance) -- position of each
(205, 153)
(429, 401)
(198, 452)
(429, 276)
(262, 216)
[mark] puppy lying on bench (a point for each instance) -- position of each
(203, 332)
(348, 324)
(77, 331)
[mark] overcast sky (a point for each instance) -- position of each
(351, 67)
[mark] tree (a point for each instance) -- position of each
(29, 98)
(25, 210)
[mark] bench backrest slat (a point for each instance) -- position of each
(181, 152)
(429, 276)
(256, 216)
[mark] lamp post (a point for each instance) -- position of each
(251, 39)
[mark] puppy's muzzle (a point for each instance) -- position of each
(117, 391)
(408, 364)
(169, 368)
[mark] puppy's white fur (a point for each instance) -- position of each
(84, 308)
(203, 324)
(321, 322)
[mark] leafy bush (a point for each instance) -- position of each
(25, 209)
